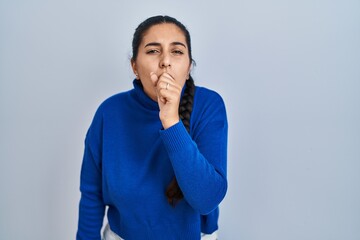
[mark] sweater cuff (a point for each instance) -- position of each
(176, 138)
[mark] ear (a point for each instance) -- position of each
(133, 66)
(188, 74)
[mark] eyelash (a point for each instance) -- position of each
(178, 52)
(153, 51)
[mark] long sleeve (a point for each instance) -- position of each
(199, 162)
(91, 208)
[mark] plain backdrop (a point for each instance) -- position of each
(289, 72)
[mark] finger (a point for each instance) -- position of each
(166, 79)
(164, 85)
(169, 76)
(167, 84)
(154, 78)
(168, 91)
(161, 99)
(163, 81)
(172, 95)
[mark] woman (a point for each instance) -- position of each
(156, 155)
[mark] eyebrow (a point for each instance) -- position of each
(158, 44)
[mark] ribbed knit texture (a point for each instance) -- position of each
(129, 160)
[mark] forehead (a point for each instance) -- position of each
(164, 33)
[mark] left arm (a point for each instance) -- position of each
(200, 163)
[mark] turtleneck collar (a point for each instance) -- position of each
(144, 99)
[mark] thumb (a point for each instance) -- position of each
(154, 78)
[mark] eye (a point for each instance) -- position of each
(152, 51)
(178, 52)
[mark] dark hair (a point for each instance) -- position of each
(148, 23)
(173, 191)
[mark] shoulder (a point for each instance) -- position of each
(109, 107)
(114, 101)
(105, 113)
(206, 96)
(208, 105)
(209, 112)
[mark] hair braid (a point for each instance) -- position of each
(186, 103)
(173, 191)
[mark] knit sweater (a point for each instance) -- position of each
(129, 160)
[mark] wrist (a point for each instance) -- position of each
(169, 123)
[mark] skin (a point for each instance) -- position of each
(163, 66)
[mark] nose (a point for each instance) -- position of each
(165, 61)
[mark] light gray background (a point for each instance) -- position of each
(289, 72)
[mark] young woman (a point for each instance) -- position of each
(156, 155)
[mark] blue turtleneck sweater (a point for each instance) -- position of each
(129, 161)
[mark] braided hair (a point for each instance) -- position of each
(173, 191)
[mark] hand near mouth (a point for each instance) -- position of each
(168, 94)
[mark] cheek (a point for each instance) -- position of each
(182, 78)
(144, 69)
(146, 66)
(186, 72)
